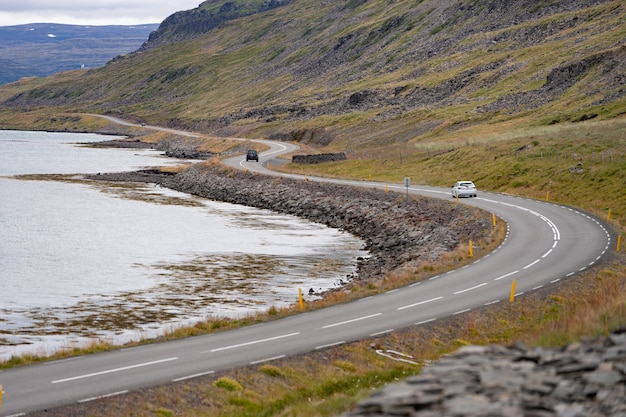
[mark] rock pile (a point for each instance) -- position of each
(584, 379)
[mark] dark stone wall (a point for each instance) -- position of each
(318, 159)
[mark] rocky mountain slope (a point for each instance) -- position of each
(376, 70)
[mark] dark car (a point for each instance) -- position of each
(252, 155)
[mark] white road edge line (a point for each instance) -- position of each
(100, 397)
(341, 342)
(274, 358)
(381, 333)
(182, 378)
(110, 371)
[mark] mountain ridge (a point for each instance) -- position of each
(375, 69)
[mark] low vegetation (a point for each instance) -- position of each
(521, 98)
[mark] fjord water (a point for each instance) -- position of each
(82, 260)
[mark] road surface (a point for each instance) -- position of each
(545, 243)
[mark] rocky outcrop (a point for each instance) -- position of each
(583, 379)
(189, 24)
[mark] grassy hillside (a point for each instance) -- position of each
(366, 73)
(522, 97)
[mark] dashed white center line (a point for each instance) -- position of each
(328, 326)
(110, 371)
(506, 275)
(254, 342)
(470, 289)
(531, 264)
(420, 303)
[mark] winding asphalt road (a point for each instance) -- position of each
(545, 243)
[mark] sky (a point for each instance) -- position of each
(91, 13)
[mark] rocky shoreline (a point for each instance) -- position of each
(398, 233)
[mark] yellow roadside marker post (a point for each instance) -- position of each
(513, 285)
(300, 298)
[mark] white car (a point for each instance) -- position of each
(463, 189)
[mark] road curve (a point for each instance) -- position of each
(545, 243)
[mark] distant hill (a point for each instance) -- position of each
(43, 49)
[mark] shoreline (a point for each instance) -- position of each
(398, 233)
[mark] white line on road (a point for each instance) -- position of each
(182, 378)
(254, 342)
(531, 264)
(351, 321)
(110, 371)
(274, 358)
(341, 342)
(101, 397)
(381, 333)
(506, 275)
(470, 289)
(420, 303)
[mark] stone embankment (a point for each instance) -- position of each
(396, 232)
(585, 379)
(319, 158)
